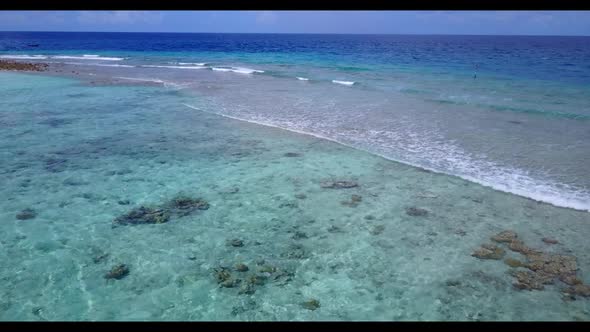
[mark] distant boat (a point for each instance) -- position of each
(34, 45)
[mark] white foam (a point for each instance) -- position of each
(91, 55)
(220, 69)
(303, 79)
(23, 56)
(508, 180)
(174, 67)
(343, 82)
(110, 65)
(166, 84)
(155, 80)
(98, 64)
(87, 57)
(193, 63)
(240, 70)
(243, 70)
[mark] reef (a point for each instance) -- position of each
(224, 278)
(539, 268)
(334, 229)
(235, 243)
(529, 280)
(179, 206)
(291, 205)
(299, 235)
(338, 184)
(505, 236)
(295, 251)
(549, 240)
(249, 281)
(377, 230)
(25, 214)
(241, 267)
(143, 215)
(579, 289)
(489, 251)
(292, 154)
(416, 212)
(119, 271)
(300, 196)
(311, 304)
(513, 262)
(22, 66)
(183, 205)
(519, 246)
(354, 201)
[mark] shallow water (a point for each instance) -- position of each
(81, 155)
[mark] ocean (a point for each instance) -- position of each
(358, 172)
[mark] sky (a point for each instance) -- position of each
(362, 22)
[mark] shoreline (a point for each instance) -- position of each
(52, 70)
(421, 168)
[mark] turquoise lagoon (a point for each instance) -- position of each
(82, 154)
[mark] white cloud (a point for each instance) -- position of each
(266, 17)
(118, 17)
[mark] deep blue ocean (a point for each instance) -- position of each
(553, 58)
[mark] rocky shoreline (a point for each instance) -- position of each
(22, 66)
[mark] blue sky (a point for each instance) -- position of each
(400, 22)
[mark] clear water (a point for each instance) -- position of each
(75, 148)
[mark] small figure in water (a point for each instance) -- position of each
(476, 68)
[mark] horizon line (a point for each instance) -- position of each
(303, 33)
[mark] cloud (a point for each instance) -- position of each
(266, 17)
(118, 17)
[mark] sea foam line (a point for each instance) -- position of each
(23, 56)
(193, 63)
(343, 82)
(174, 67)
(166, 84)
(241, 70)
(573, 203)
(86, 57)
(107, 65)
(97, 64)
(155, 80)
(72, 57)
